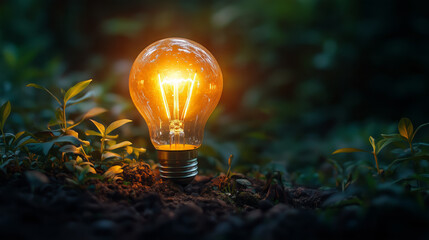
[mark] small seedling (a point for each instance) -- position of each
(4, 114)
(12, 144)
(376, 148)
(67, 100)
(228, 173)
(82, 171)
(103, 133)
(113, 172)
(406, 132)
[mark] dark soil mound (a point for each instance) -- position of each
(164, 210)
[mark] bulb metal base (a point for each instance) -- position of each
(178, 166)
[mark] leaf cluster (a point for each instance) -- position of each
(414, 152)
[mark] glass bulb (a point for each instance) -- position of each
(175, 84)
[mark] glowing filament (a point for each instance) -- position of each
(176, 84)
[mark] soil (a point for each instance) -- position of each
(142, 206)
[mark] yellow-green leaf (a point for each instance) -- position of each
(116, 124)
(384, 142)
(405, 128)
(372, 142)
(4, 113)
(348, 150)
(46, 90)
(119, 145)
(142, 150)
(112, 171)
(91, 170)
(99, 126)
(76, 89)
(391, 135)
(230, 160)
(111, 137)
(129, 149)
(417, 129)
(107, 155)
(92, 133)
(94, 112)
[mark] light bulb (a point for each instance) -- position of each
(175, 84)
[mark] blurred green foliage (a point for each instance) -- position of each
(301, 78)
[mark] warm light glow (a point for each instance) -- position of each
(175, 84)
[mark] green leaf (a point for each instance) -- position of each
(405, 128)
(384, 142)
(393, 135)
(4, 113)
(18, 135)
(82, 176)
(100, 127)
(76, 89)
(348, 150)
(43, 88)
(70, 149)
(107, 155)
(44, 147)
(110, 137)
(72, 182)
(70, 165)
(91, 113)
(24, 141)
(402, 160)
(85, 97)
(94, 112)
(337, 166)
(116, 125)
(113, 171)
(414, 134)
(119, 145)
(92, 133)
(372, 142)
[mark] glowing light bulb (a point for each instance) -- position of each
(175, 84)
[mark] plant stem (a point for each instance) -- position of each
(4, 141)
(376, 162)
(411, 147)
(64, 117)
(102, 147)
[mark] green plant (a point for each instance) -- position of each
(67, 100)
(226, 184)
(4, 114)
(417, 153)
(64, 141)
(376, 148)
(113, 172)
(82, 171)
(11, 144)
(108, 145)
(406, 133)
(228, 173)
(345, 174)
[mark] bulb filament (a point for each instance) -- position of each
(177, 86)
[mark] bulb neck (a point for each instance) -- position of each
(178, 166)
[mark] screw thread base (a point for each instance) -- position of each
(178, 166)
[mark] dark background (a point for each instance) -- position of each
(301, 78)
